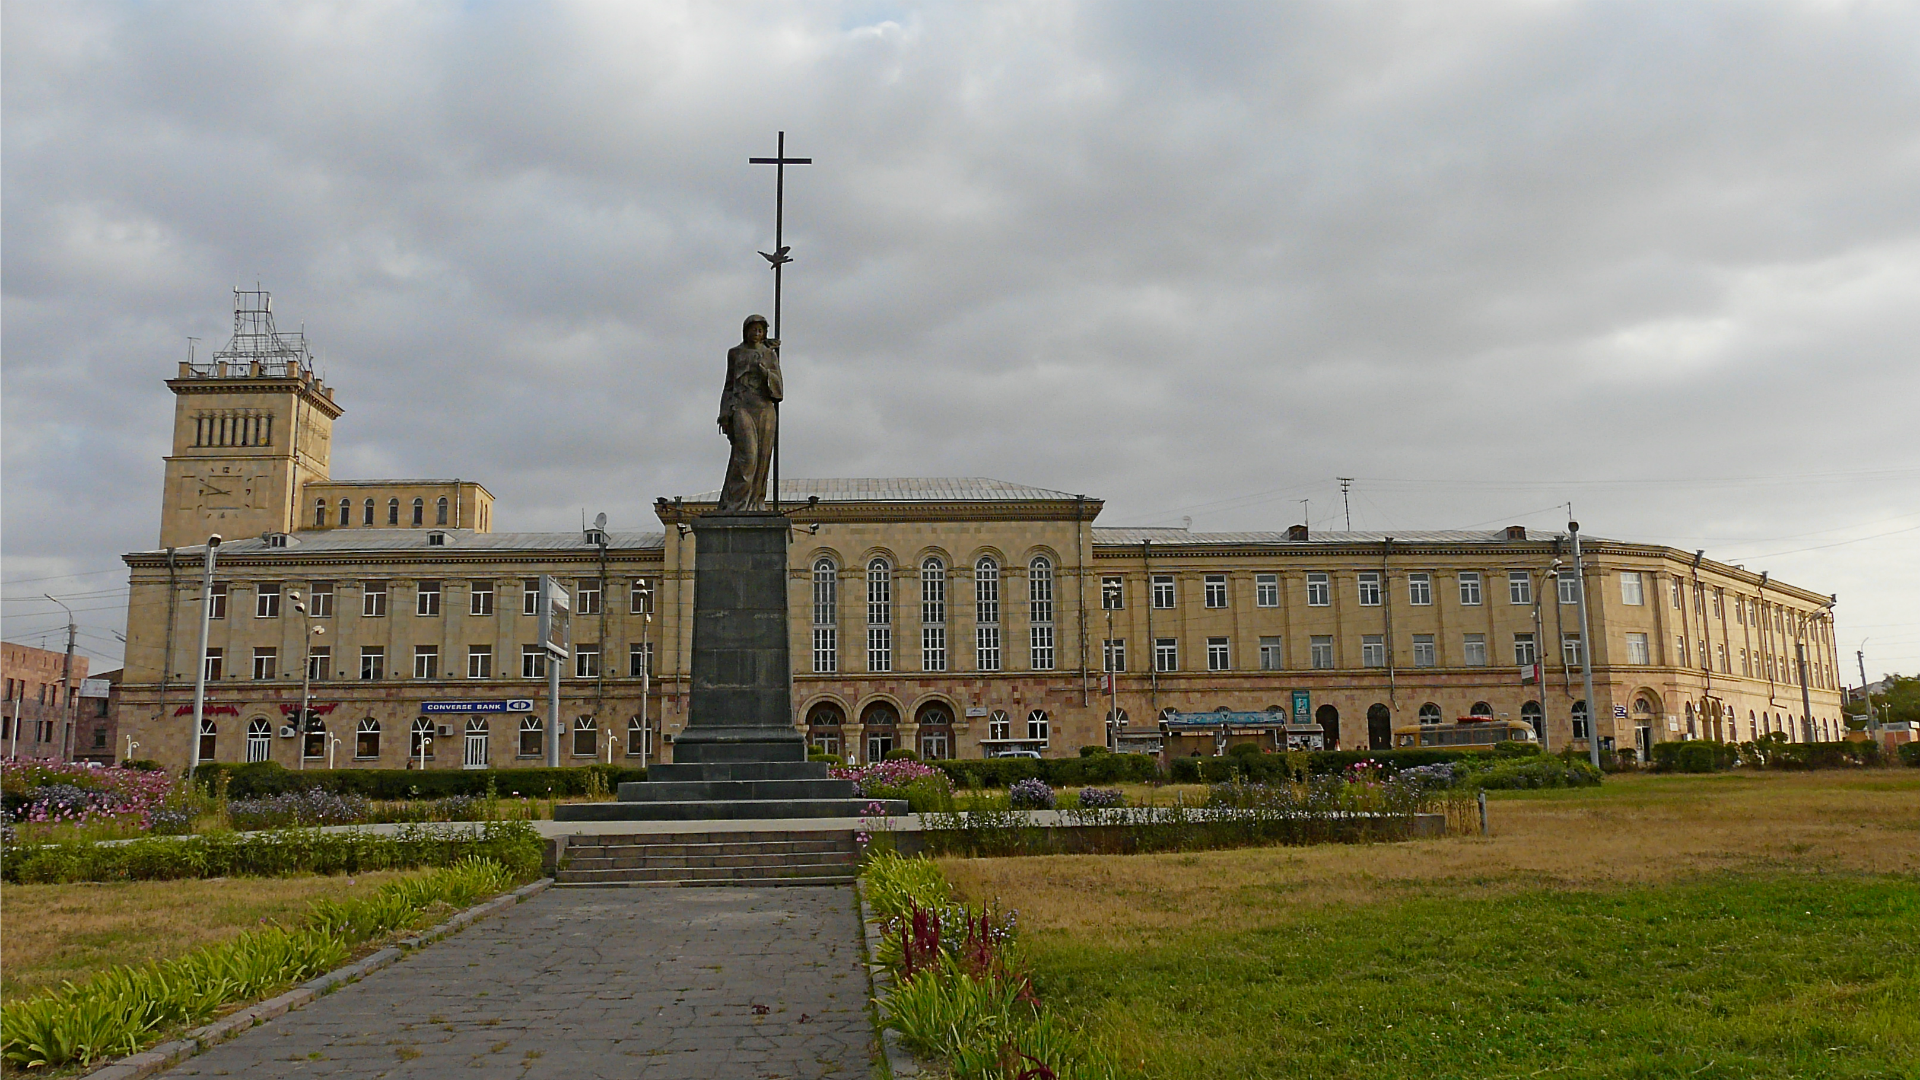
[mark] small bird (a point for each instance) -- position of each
(760, 1010)
(779, 256)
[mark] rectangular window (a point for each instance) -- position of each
(640, 597)
(1674, 592)
(1423, 651)
(427, 600)
(265, 661)
(1113, 594)
(1631, 589)
(1114, 653)
(586, 596)
(1519, 587)
(1719, 604)
(879, 616)
(986, 648)
(266, 600)
(1570, 651)
(373, 662)
(1473, 650)
(586, 661)
(1266, 590)
(1272, 657)
(1680, 649)
(321, 602)
(1637, 651)
(1042, 641)
(826, 652)
(1319, 590)
(933, 599)
(1219, 656)
(1369, 583)
(933, 648)
(320, 662)
(1526, 651)
(480, 598)
(1166, 654)
(1420, 589)
(1727, 668)
(986, 596)
(533, 662)
(1739, 611)
(1163, 591)
(1470, 588)
(639, 659)
(879, 648)
(216, 665)
(426, 661)
(1746, 663)
(1569, 587)
(1321, 648)
(530, 596)
(373, 602)
(1216, 590)
(479, 661)
(1373, 650)
(218, 604)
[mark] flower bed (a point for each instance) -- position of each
(923, 787)
(50, 793)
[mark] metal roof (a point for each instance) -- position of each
(1128, 536)
(397, 539)
(908, 489)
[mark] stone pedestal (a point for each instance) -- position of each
(739, 755)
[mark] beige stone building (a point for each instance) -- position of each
(959, 617)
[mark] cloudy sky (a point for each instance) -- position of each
(1658, 261)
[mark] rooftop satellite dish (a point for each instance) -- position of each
(600, 522)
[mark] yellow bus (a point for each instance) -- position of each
(1467, 731)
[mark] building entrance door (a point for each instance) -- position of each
(476, 755)
(1379, 728)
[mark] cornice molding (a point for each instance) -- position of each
(261, 385)
(846, 513)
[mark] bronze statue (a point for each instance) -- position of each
(750, 416)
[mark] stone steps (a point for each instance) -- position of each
(829, 857)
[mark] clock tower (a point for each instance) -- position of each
(250, 430)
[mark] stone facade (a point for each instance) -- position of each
(42, 704)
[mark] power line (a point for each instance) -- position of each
(60, 577)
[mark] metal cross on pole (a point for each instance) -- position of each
(778, 259)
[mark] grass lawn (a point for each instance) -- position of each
(56, 933)
(1712, 926)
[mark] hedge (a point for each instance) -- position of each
(1100, 768)
(1263, 767)
(1693, 756)
(1776, 754)
(271, 778)
(513, 844)
(1910, 753)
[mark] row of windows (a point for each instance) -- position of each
(422, 734)
(1373, 652)
(233, 428)
(45, 693)
(426, 662)
(1750, 611)
(1369, 590)
(319, 601)
(367, 508)
(933, 614)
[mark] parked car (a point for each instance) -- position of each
(1034, 754)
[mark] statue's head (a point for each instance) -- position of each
(747, 329)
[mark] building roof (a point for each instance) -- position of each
(1132, 536)
(908, 489)
(399, 539)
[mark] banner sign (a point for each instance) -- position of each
(291, 707)
(507, 706)
(210, 710)
(1302, 708)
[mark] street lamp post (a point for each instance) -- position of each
(1586, 649)
(1551, 573)
(66, 685)
(131, 747)
(200, 672)
(1110, 593)
(646, 672)
(306, 679)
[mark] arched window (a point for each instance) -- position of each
(879, 615)
(313, 740)
(320, 514)
(933, 614)
(586, 737)
(474, 751)
(639, 740)
(826, 616)
(1429, 713)
(1481, 711)
(1038, 728)
(986, 614)
(419, 512)
(346, 512)
(366, 740)
(420, 739)
(259, 739)
(393, 512)
(999, 727)
(936, 731)
(1040, 612)
(440, 511)
(823, 728)
(1579, 715)
(368, 518)
(208, 736)
(1532, 715)
(879, 722)
(1328, 718)
(532, 736)
(1642, 707)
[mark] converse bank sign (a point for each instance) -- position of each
(509, 705)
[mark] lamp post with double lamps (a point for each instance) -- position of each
(1551, 573)
(1110, 594)
(306, 677)
(200, 659)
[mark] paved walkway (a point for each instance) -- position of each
(627, 983)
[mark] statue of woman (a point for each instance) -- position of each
(750, 416)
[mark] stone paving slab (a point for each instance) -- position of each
(627, 983)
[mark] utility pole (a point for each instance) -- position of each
(1110, 595)
(1586, 649)
(1806, 698)
(66, 685)
(1346, 483)
(306, 678)
(1552, 573)
(200, 660)
(1859, 654)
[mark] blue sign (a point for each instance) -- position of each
(509, 705)
(1302, 707)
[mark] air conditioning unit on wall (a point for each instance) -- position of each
(287, 731)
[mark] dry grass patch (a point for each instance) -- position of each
(59, 933)
(1635, 830)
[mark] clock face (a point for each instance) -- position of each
(230, 491)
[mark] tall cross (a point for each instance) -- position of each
(779, 258)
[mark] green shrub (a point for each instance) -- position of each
(512, 844)
(902, 753)
(144, 765)
(1775, 754)
(1535, 772)
(1910, 754)
(1100, 768)
(259, 778)
(1693, 756)
(897, 884)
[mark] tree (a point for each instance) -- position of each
(1899, 702)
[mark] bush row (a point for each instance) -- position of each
(259, 778)
(1910, 753)
(512, 844)
(125, 1007)
(1704, 755)
(1098, 768)
(1270, 768)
